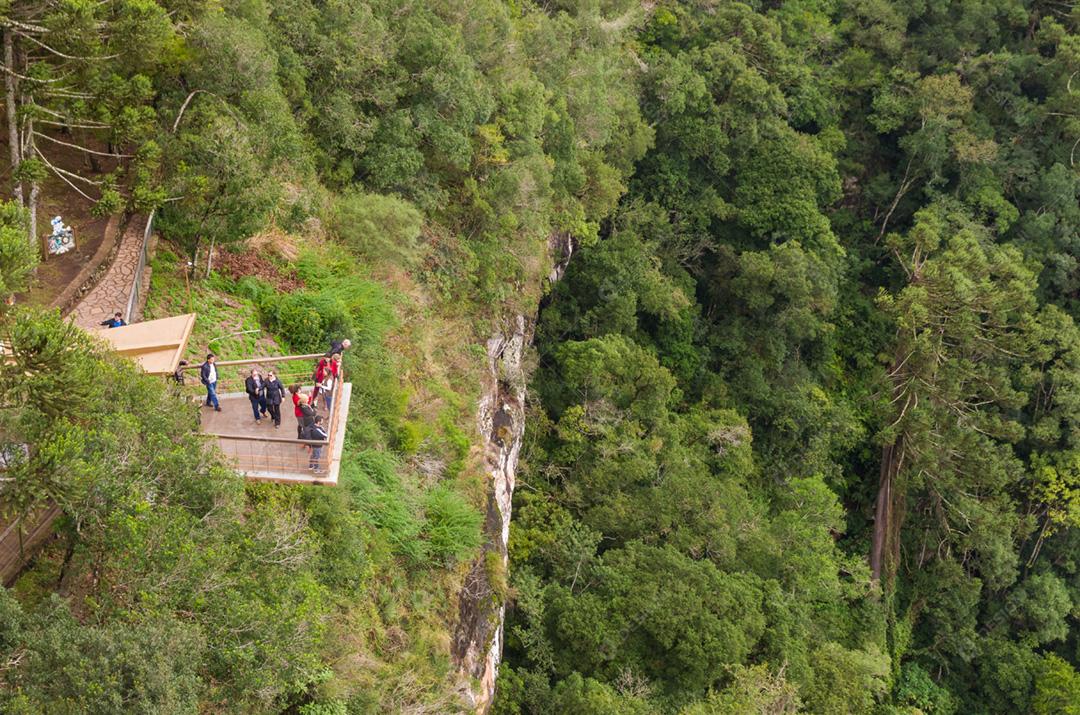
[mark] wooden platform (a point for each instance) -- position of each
(156, 345)
(263, 453)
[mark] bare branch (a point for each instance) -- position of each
(187, 101)
(65, 172)
(60, 172)
(58, 53)
(26, 78)
(82, 148)
(11, 22)
(70, 125)
(67, 93)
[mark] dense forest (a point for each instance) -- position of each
(804, 429)
(803, 421)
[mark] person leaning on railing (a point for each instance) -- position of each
(329, 382)
(337, 347)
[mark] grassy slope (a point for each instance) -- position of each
(217, 313)
(411, 432)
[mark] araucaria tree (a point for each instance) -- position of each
(966, 328)
(77, 83)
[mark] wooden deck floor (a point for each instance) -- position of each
(263, 452)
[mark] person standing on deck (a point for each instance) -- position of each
(326, 388)
(307, 413)
(316, 431)
(208, 377)
(296, 395)
(307, 417)
(255, 387)
(275, 393)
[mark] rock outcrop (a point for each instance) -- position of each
(478, 636)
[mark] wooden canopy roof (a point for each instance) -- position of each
(156, 345)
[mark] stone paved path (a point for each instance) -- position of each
(114, 289)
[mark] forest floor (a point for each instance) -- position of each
(59, 199)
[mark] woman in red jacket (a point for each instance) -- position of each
(295, 390)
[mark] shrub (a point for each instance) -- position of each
(338, 305)
(372, 480)
(329, 707)
(378, 228)
(305, 320)
(453, 525)
(254, 289)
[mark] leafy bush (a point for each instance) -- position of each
(337, 304)
(306, 321)
(372, 480)
(328, 707)
(453, 526)
(253, 288)
(917, 689)
(379, 229)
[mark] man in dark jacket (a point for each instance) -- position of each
(316, 431)
(254, 386)
(275, 394)
(208, 377)
(338, 346)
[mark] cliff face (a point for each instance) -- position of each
(478, 636)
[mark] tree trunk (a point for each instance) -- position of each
(35, 190)
(210, 258)
(10, 88)
(885, 547)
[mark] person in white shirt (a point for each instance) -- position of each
(326, 390)
(208, 377)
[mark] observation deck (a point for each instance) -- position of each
(261, 451)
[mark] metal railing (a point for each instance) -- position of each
(270, 454)
(234, 380)
(232, 374)
(136, 283)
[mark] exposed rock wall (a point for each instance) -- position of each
(478, 637)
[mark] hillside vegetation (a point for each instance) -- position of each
(804, 407)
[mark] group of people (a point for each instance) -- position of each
(266, 393)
